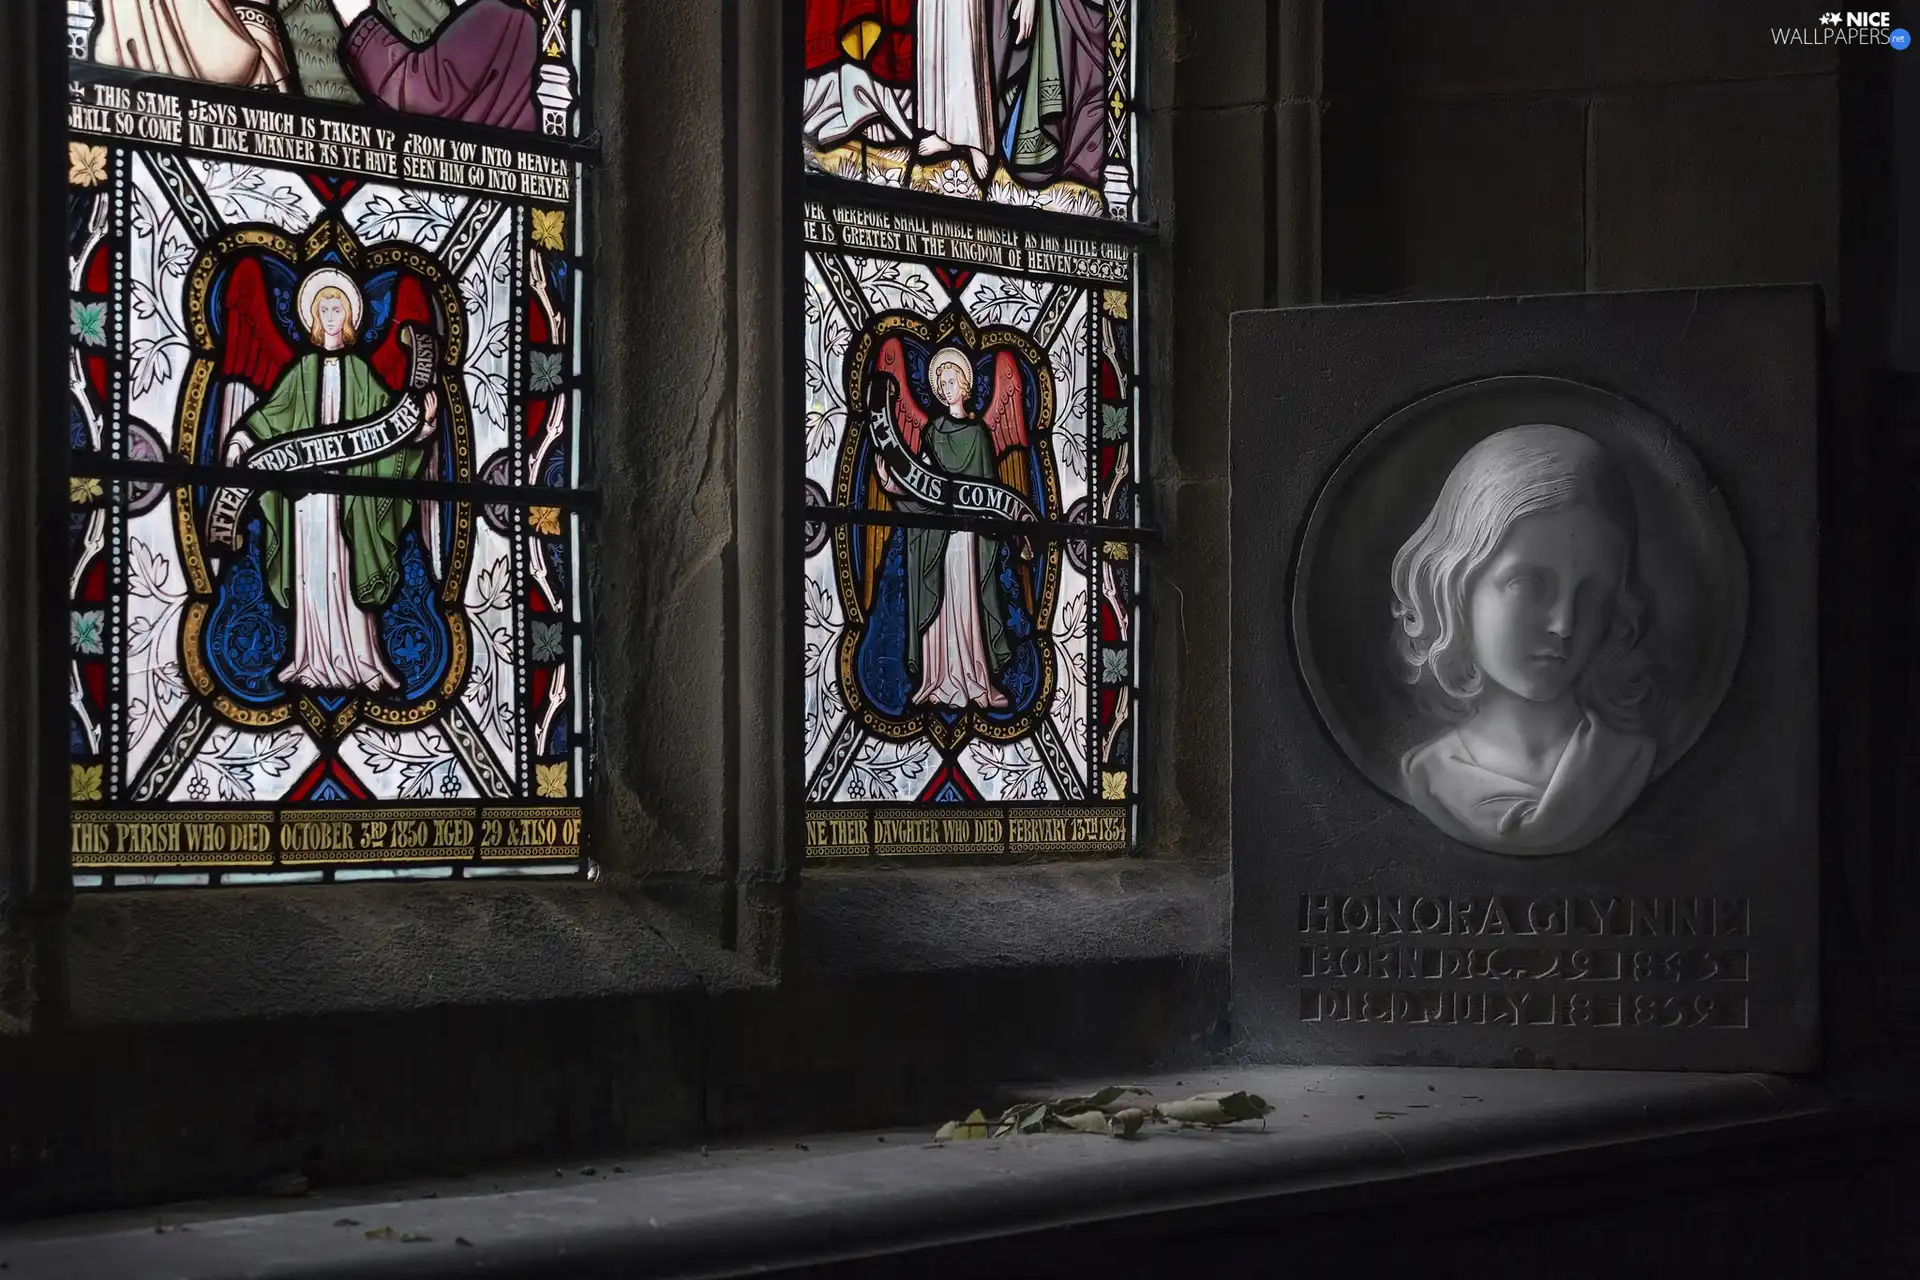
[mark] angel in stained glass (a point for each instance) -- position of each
(966, 593)
(331, 560)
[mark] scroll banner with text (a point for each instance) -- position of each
(948, 494)
(335, 445)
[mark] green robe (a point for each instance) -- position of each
(960, 448)
(372, 525)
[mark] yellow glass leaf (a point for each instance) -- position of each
(858, 40)
(1116, 550)
(545, 520)
(86, 164)
(1117, 105)
(1113, 786)
(550, 228)
(550, 780)
(1117, 303)
(86, 782)
(82, 489)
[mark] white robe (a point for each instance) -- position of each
(847, 102)
(335, 642)
(208, 40)
(1598, 777)
(953, 72)
(954, 671)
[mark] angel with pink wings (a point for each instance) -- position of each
(966, 593)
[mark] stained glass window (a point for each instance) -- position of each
(1020, 102)
(970, 570)
(325, 414)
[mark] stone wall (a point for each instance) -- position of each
(191, 1043)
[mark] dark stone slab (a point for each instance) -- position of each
(1649, 897)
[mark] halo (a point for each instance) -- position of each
(953, 356)
(324, 278)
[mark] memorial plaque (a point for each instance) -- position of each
(1525, 702)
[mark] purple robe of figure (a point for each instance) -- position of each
(478, 67)
(1052, 90)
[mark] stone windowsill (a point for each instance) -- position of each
(184, 957)
(1336, 1131)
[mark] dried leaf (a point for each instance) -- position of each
(1099, 1099)
(1033, 1118)
(380, 1233)
(973, 1127)
(1086, 1122)
(1126, 1122)
(416, 1237)
(347, 1222)
(1215, 1108)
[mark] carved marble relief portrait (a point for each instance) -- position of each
(1517, 603)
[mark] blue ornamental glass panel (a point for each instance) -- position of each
(325, 412)
(968, 660)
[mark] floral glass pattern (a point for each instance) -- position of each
(968, 345)
(325, 415)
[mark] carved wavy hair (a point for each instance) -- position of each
(1510, 475)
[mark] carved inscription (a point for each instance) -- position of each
(880, 231)
(910, 832)
(1551, 961)
(227, 837)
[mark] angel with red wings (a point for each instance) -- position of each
(331, 560)
(958, 611)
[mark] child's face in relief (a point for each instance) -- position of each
(1540, 607)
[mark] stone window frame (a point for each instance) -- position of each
(698, 841)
